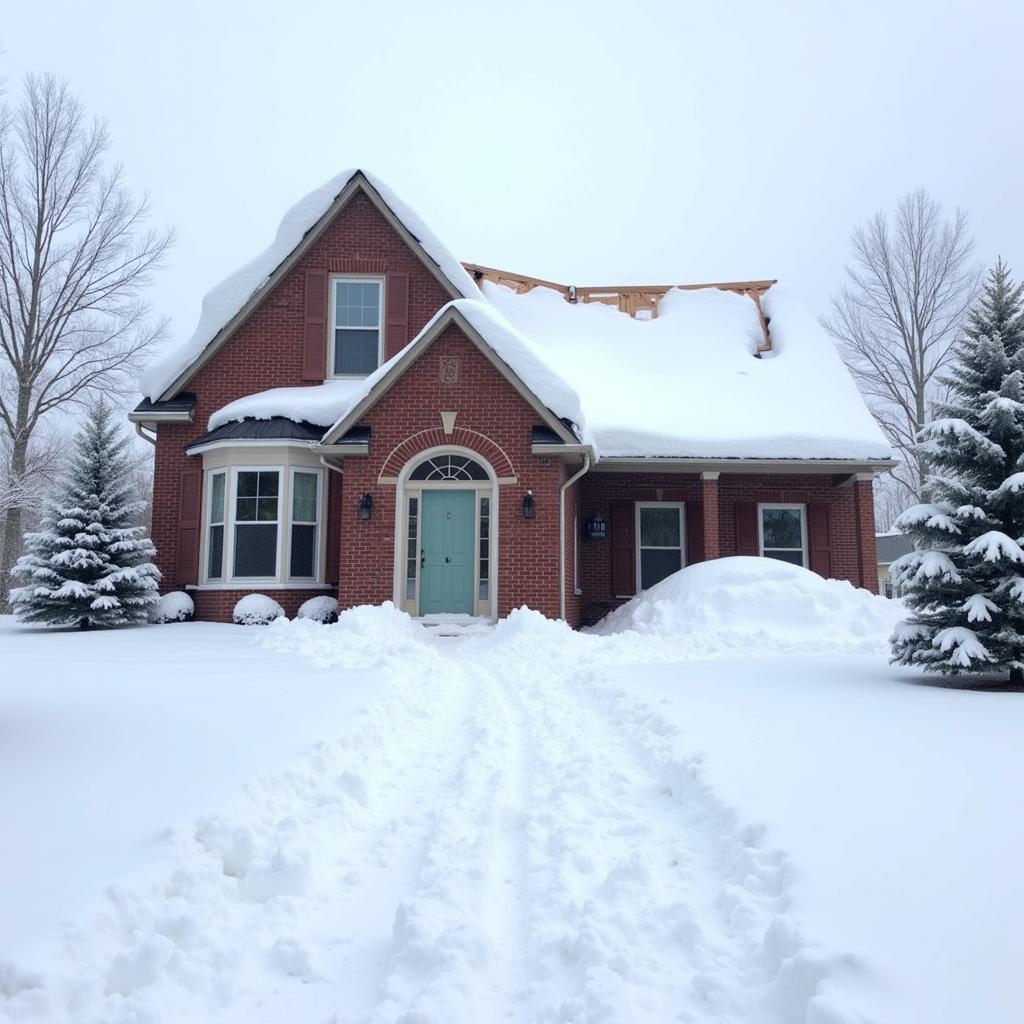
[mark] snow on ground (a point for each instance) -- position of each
(523, 824)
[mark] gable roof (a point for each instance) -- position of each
(226, 306)
(551, 397)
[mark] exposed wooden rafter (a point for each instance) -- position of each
(639, 301)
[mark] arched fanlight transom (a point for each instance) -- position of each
(449, 467)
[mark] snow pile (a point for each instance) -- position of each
(319, 609)
(757, 604)
(798, 401)
(226, 299)
(318, 404)
(257, 610)
(370, 636)
(174, 607)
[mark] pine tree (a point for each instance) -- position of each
(964, 583)
(90, 563)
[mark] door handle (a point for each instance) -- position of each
(423, 557)
(447, 559)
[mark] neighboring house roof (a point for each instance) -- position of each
(890, 546)
(226, 306)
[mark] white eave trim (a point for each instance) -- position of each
(146, 418)
(652, 464)
(249, 442)
(342, 449)
(563, 449)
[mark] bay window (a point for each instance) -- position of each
(263, 524)
(215, 519)
(305, 508)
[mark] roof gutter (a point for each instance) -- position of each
(561, 533)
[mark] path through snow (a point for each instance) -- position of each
(502, 838)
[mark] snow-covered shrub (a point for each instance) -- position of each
(257, 610)
(174, 607)
(319, 609)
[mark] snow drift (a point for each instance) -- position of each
(732, 602)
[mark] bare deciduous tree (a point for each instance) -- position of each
(909, 287)
(75, 258)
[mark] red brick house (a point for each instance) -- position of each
(358, 414)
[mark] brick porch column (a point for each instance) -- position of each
(709, 496)
(864, 507)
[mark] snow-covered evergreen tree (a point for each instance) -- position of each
(90, 563)
(964, 583)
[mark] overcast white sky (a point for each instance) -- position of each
(592, 143)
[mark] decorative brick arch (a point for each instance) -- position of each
(408, 449)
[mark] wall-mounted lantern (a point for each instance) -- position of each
(528, 505)
(365, 508)
(596, 528)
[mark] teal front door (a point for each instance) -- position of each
(446, 561)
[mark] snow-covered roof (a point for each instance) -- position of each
(331, 403)
(223, 302)
(686, 384)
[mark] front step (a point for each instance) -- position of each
(455, 624)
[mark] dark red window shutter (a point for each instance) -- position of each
(746, 529)
(819, 539)
(333, 527)
(694, 532)
(396, 313)
(623, 552)
(314, 335)
(190, 505)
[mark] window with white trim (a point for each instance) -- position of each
(264, 525)
(215, 528)
(356, 335)
(304, 547)
(782, 531)
(485, 548)
(257, 508)
(659, 541)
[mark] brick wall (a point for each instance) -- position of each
(491, 414)
(851, 520)
(266, 352)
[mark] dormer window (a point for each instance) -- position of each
(356, 336)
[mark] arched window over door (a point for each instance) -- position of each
(449, 467)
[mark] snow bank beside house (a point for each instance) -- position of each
(761, 603)
(686, 384)
(222, 302)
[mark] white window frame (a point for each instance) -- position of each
(230, 577)
(407, 488)
(282, 579)
(803, 527)
(333, 281)
(209, 524)
(681, 506)
(318, 523)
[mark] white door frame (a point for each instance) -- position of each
(407, 489)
